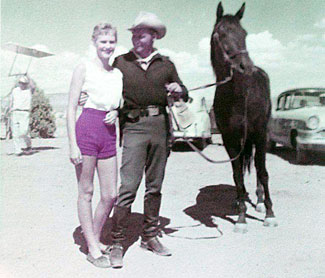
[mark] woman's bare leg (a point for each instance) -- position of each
(85, 176)
(107, 174)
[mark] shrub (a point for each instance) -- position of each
(42, 119)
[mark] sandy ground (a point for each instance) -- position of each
(40, 233)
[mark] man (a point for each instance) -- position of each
(147, 79)
(20, 104)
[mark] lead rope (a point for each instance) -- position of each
(161, 231)
(227, 79)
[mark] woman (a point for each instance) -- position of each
(92, 138)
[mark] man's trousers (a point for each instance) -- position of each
(144, 151)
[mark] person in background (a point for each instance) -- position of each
(20, 106)
(92, 139)
(147, 79)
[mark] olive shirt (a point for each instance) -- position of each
(143, 88)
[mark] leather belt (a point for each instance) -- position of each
(151, 110)
(133, 115)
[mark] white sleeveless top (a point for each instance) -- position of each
(103, 87)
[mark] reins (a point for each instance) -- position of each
(199, 151)
(227, 79)
(228, 59)
(162, 231)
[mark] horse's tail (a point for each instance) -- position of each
(247, 156)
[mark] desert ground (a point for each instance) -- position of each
(41, 236)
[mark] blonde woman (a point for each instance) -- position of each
(92, 138)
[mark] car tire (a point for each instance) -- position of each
(301, 155)
(201, 143)
(270, 145)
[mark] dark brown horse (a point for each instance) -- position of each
(242, 107)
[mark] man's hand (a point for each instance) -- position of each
(173, 87)
(83, 98)
(111, 117)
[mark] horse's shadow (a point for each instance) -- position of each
(216, 201)
(133, 230)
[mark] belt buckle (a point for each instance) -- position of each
(153, 110)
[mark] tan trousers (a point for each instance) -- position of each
(20, 130)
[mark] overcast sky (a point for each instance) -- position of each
(286, 37)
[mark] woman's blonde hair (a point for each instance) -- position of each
(103, 29)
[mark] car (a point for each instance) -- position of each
(298, 122)
(195, 126)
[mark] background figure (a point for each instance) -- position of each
(20, 105)
(92, 138)
(147, 79)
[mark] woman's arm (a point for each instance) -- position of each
(77, 82)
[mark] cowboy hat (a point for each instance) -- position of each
(151, 21)
(23, 79)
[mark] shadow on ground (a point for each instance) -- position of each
(216, 201)
(133, 232)
(182, 146)
(290, 156)
(32, 151)
(35, 150)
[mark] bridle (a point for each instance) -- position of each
(227, 57)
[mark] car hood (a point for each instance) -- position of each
(305, 113)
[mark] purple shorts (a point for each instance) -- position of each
(94, 137)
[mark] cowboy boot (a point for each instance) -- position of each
(118, 235)
(155, 246)
(150, 230)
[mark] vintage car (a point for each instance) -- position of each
(195, 125)
(299, 122)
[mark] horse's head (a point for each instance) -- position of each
(228, 41)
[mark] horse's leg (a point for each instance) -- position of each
(263, 178)
(260, 207)
(238, 175)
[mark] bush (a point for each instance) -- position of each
(42, 119)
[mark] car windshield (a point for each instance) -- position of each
(308, 99)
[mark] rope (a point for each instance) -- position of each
(227, 79)
(192, 238)
(200, 152)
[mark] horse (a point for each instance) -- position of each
(242, 109)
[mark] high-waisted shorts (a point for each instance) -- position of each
(94, 137)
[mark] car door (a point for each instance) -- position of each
(287, 120)
(275, 124)
(283, 123)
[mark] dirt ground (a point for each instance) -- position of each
(41, 237)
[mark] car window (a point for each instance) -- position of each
(298, 101)
(287, 102)
(281, 103)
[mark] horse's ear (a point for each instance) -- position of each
(240, 13)
(219, 11)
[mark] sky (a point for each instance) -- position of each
(285, 37)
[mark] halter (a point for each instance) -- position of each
(228, 57)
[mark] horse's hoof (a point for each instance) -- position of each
(270, 222)
(240, 228)
(260, 208)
